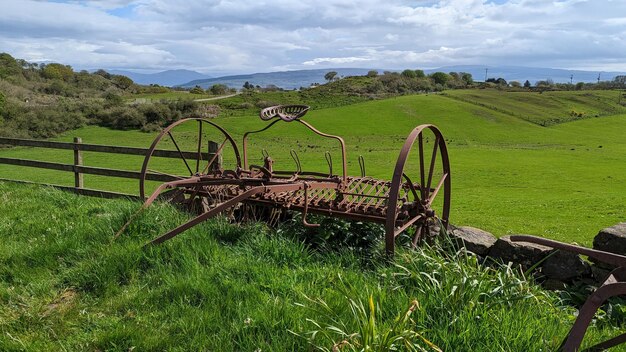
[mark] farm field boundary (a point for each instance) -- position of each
(79, 169)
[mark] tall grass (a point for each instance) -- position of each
(66, 286)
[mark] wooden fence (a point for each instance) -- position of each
(79, 169)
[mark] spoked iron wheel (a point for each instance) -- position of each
(187, 148)
(419, 194)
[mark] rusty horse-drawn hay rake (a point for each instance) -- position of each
(420, 202)
(201, 184)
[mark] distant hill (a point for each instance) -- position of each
(167, 78)
(285, 79)
(304, 78)
(532, 74)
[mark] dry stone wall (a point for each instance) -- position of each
(556, 268)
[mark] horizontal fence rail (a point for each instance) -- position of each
(78, 169)
(97, 148)
(91, 170)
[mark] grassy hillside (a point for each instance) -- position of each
(66, 285)
(509, 176)
(549, 107)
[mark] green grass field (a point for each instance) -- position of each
(66, 285)
(549, 107)
(509, 175)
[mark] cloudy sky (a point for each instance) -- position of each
(236, 36)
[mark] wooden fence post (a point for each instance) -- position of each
(78, 161)
(217, 164)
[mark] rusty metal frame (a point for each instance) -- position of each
(614, 285)
(342, 143)
(398, 204)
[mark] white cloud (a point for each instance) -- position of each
(335, 60)
(229, 36)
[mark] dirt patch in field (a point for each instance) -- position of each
(61, 304)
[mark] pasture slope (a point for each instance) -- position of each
(65, 285)
(565, 181)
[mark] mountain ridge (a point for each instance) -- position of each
(304, 78)
(283, 79)
(167, 78)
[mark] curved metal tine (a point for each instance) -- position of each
(426, 232)
(362, 165)
(169, 133)
(432, 166)
(411, 187)
(265, 156)
(199, 156)
(418, 235)
(329, 161)
(306, 207)
(294, 155)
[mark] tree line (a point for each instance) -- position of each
(43, 100)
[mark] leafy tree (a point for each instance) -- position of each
(329, 76)
(515, 84)
(372, 73)
(440, 78)
(467, 78)
(218, 89)
(420, 74)
(499, 81)
(122, 82)
(409, 74)
(544, 84)
(527, 84)
(198, 90)
(103, 73)
(8, 66)
(57, 71)
(247, 85)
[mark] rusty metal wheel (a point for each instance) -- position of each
(186, 148)
(419, 194)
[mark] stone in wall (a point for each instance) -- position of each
(599, 274)
(564, 266)
(473, 239)
(611, 239)
(523, 253)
